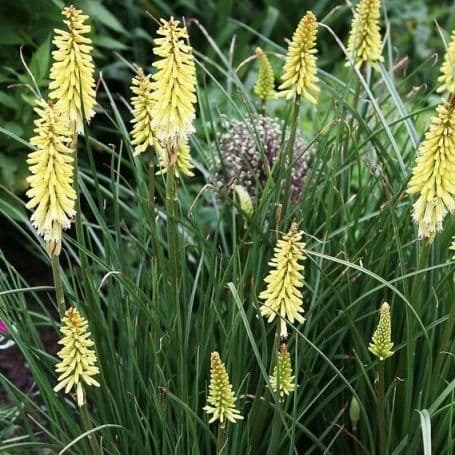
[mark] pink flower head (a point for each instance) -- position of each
(3, 327)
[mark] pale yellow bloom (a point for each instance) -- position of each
(381, 343)
(282, 379)
(174, 85)
(283, 296)
(72, 84)
(221, 399)
(78, 364)
(142, 102)
(51, 192)
(265, 85)
(365, 41)
(447, 77)
(433, 176)
(183, 165)
(299, 73)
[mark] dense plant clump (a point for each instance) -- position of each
(215, 246)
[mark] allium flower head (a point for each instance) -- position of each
(381, 343)
(365, 41)
(142, 102)
(433, 176)
(78, 364)
(51, 192)
(447, 77)
(72, 84)
(299, 73)
(265, 85)
(174, 84)
(282, 378)
(183, 165)
(241, 150)
(282, 296)
(221, 399)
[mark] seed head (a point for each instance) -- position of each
(51, 192)
(221, 399)
(381, 343)
(174, 85)
(282, 295)
(78, 364)
(265, 85)
(433, 176)
(282, 378)
(365, 41)
(142, 102)
(447, 77)
(72, 83)
(299, 73)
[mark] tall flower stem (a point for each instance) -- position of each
(381, 410)
(289, 155)
(221, 438)
(96, 448)
(59, 295)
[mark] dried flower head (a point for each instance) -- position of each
(250, 148)
(282, 379)
(282, 296)
(142, 102)
(433, 176)
(265, 85)
(51, 192)
(447, 77)
(381, 343)
(72, 83)
(245, 201)
(174, 85)
(365, 41)
(78, 364)
(221, 399)
(183, 165)
(299, 73)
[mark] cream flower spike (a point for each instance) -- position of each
(78, 364)
(433, 176)
(381, 343)
(72, 83)
(51, 192)
(282, 296)
(174, 85)
(447, 77)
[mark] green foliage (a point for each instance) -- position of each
(153, 340)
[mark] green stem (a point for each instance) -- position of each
(221, 439)
(151, 201)
(381, 410)
(96, 448)
(289, 155)
(59, 295)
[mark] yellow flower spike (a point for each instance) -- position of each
(72, 82)
(183, 164)
(433, 176)
(174, 85)
(282, 296)
(282, 377)
(365, 41)
(265, 85)
(299, 73)
(221, 399)
(447, 77)
(381, 343)
(78, 364)
(142, 102)
(246, 204)
(51, 192)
